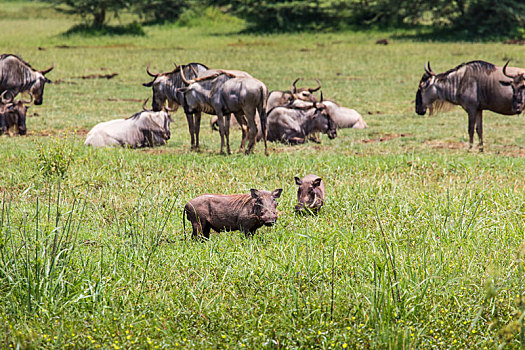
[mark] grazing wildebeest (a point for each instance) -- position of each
(143, 129)
(310, 193)
(475, 86)
(244, 212)
(518, 89)
(13, 115)
(17, 76)
(295, 125)
(223, 94)
(345, 117)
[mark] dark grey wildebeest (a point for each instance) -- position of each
(475, 86)
(296, 125)
(164, 86)
(143, 129)
(518, 89)
(222, 94)
(13, 114)
(17, 76)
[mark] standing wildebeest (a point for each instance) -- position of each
(310, 193)
(345, 117)
(164, 86)
(244, 212)
(475, 86)
(17, 76)
(518, 89)
(13, 114)
(223, 94)
(295, 125)
(143, 129)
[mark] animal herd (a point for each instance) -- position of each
(292, 116)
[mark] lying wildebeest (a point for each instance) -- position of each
(518, 89)
(296, 125)
(13, 115)
(279, 98)
(223, 94)
(17, 76)
(475, 86)
(244, 212)
(143, 129)
(345, 117)
(310, 193)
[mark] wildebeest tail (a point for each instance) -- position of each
(261, 108)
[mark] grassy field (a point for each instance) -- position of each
(418, 245)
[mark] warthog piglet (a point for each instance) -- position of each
(244, 212)
(310, 193)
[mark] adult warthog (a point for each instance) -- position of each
(17, 76)
(223, 94)
(143, 129)
(475, 86)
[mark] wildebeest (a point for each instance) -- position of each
(13, 115)
(223, 94)
(295, 125)
(17, 76)
(475, 86)
(310, 193)
(143, 129)
(244, 212)
(518, 89)
(345, 117)
(278, 98)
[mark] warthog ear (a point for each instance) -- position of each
(150, 84)
(298, 181)
(317, 182)
(505, 83)
(254, 193)
(277, 193)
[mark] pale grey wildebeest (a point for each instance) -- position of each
(143, 129)
(475, 86)
(296, 125)
(17, 76)
(278, 98)
(225, 93)
(345, 117)
(518, 89)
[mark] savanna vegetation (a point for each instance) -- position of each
(419, 245)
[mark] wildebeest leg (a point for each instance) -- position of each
(3, 126)
(252, 129)
(479, 129)
(244, 129)
(220, 121)
(191, 127)
(197, 126)
(227, 131)
(471, 125)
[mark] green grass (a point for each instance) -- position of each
(417, 245)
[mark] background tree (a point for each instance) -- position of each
(96, 9)
(162, 10)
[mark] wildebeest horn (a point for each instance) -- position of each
(28, 102)
(144, 106)
(505, 70)
(194, 71)
(175, 64)
(428, 69)
(318, 87)
(186, 81)
(154, 75)
(321, 97)
(294, 89)
(45, 71)
(4, 100)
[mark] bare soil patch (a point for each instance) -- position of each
(383, 138)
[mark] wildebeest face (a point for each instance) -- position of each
(324, 122)
(518, 91)
(37, 89)
(265, 207)
(308, 194)
(426, 93)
